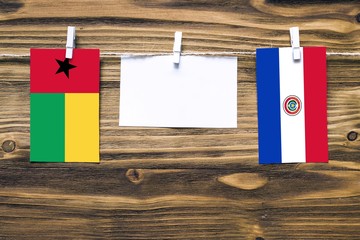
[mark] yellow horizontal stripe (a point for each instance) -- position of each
(82, 127)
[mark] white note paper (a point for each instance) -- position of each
(200, 92)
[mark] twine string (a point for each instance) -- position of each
(148, 54)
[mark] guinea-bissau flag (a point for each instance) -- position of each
(64, 105)
(292, 116)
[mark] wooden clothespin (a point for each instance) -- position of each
(177, 47)
(70, 42)
(295, 42)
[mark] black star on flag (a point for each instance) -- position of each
(64, 66)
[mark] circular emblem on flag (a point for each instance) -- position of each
(292, 105)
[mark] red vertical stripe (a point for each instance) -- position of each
(316, 139)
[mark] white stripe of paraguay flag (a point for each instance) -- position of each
(292, 118)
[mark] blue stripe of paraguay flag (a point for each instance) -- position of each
(292, 116)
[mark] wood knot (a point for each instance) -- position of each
(135, 176)
(245, 181)
(259, 238)
(8, 146)
(358, 18)
(352, 136)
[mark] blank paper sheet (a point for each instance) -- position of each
(200, 92)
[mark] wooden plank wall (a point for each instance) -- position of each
(180, 183)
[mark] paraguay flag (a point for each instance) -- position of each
(292, 119)
(64, 105)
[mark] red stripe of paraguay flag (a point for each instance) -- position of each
(292, 117)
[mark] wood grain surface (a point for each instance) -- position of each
(166, 183)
